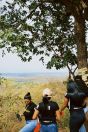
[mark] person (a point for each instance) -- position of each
(48, 113)
(74, 99)
(84, 88)
(81, 84)
(28, 113)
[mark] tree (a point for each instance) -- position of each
(46, 27)
(56, 28)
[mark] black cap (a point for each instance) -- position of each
(27, 96)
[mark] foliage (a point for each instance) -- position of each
(37, 27)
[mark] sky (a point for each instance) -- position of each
(11, 63)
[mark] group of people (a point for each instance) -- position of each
(48, 113)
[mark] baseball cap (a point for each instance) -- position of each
(47, 92)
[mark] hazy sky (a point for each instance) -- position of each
(12, 63)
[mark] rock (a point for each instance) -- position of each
(84, 73)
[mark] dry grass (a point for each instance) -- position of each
(11, 101)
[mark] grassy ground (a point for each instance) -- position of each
(11, 101)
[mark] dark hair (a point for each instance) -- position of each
(81, 84)
(46, 99)
(72, 87)
(27, 96)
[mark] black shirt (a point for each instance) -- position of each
(29, 111)
(47, 112)
(75, 99)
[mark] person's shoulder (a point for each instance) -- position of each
(82, 94)
(68, 95)
(34, 104)
(54, 105)
(40, 104)
(53, 102)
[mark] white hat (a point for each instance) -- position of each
(47, 92)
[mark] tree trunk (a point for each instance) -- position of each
(80, 39)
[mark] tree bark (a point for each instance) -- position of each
(80, 40)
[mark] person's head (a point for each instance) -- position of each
(72, 87)
(47, 94)
(81, 84)
(27, 98)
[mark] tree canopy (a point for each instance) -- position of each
(45, 27)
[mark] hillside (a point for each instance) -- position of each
(11, 101)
